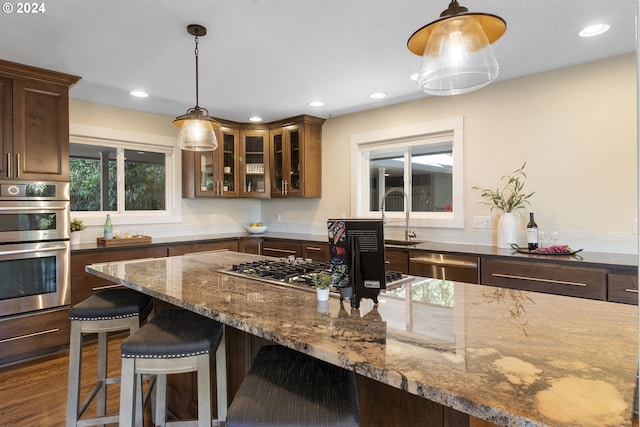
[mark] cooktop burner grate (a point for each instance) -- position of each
(293, 272)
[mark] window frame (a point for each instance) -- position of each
(134, 141)
(362, 143)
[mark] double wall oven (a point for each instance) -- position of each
(34, 246)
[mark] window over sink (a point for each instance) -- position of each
(423, 160)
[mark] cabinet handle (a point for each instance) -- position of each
(284, 251)
(558, 282)
(313, 248)
(18, 165)
(634, 291)
(8, 165)
(99, 288)
(33, 334)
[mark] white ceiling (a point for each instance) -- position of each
(270, 58)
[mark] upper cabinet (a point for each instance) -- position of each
(280, 159)
(296, 157)
(34, 123)
(213, 173)
(254, 162)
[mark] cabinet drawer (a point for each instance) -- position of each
(187, 248)
(623, 288)
(316, 251)
(396, 260)
(281, 249)
(546, 277)
(33, 334)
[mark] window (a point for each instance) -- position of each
(418, 169)
(132, 181)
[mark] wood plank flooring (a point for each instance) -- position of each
(34, 394)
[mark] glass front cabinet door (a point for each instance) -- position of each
(296, 158)
(212, 173)
(254, 173)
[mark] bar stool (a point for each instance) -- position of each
(288, 388)
(108, 310)
(174, 341)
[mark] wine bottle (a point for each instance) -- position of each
(108, 228)
(532, 233)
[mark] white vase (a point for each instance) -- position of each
(74, 238)
(323, 294)
(506, 230)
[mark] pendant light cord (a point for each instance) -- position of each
(196, 54)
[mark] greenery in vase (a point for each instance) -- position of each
(321, 280)
(76, 224)
(511, 196)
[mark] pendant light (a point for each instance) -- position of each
(456, 51)
(198, 130)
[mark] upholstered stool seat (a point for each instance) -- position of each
(108, 310)
(174, 341)
(288, 388)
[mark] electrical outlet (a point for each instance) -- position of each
(212, 218)
(635, 225)
(481, 222)
(279, 217)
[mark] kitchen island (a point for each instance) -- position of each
(510, 357)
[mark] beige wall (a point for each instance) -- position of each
(575, 128)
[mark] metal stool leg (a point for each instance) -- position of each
(101, 397)
(75, 362)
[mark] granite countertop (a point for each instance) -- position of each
(510, 357)
(584, 257)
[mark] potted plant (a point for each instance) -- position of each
(76, 226)
(508, 198)
(322, 282)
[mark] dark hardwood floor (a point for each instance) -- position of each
(35, 393)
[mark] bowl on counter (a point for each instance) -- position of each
(255, 230)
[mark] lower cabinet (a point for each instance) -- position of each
(33, 334)
(552, 278)
(623, 287)
(187, 248)
(316, 251)
(281, 248)
(396, 260)
(250, 245)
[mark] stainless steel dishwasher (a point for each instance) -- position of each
(461, 268)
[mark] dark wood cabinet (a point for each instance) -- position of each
(254, 162)
(622, 286)
(296, 157)
(213, 173)
(33, 334)
(35, 123)
(548, 277)
(316, 251)
(187, 248)
(281, 248)
(396, 260)
(250, 245)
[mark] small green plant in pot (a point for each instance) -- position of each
(321, 281)
(76, 224)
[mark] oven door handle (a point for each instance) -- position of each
(28, 251)
(33, 208)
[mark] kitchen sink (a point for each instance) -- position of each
(402, 242)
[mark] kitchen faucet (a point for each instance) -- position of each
(408, 235)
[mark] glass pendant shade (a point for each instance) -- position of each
(457, 59)
(456, 51)
(198, 131)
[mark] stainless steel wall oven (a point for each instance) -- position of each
(34, 246)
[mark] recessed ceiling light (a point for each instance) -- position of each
(378, 95)
(139, 93)
(414, 77)
(255, 119)
(316, 104)
(593, 30)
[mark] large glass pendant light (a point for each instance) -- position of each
(198, 130)
(456, 51)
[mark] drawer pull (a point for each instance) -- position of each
(558, 282)
(98, 288)
(284, 251)
(447, 263)
(313, 248)
(33, 334)
(632, 290)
